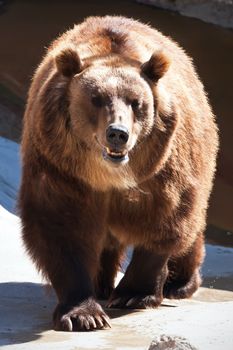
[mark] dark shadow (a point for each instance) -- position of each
(116, 313)
(224, 283)
(2, 7)
(26, 310)
(218, 236)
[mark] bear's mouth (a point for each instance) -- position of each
(115, 156)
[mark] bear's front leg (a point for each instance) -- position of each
(64, 236)
(77, 309)
(142, 284)
(71, 263)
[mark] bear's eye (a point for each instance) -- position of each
(97, 101)
(135, 104)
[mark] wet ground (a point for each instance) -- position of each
(218, 265)
(27, 27)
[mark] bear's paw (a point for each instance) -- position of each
(135, 302)
(87, 316)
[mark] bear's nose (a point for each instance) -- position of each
(117, 135)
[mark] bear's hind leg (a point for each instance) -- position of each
(184, 276)
(142, 284)
(109, 266)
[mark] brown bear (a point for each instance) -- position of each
(119, 148)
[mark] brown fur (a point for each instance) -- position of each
(79, 212)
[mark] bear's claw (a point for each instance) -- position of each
(135, 302)
(88, 316)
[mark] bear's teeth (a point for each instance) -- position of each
(115, 154)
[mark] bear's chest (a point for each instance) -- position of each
(132, 214)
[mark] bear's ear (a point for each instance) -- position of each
(68, 62)
(156, 67)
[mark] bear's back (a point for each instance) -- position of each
(98, 36)
(102, 36)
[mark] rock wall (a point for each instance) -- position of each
(213, 11)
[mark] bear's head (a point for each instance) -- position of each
(111, 101)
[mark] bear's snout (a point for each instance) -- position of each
(117, 135)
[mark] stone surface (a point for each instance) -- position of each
(26, 305)
(213, 11)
